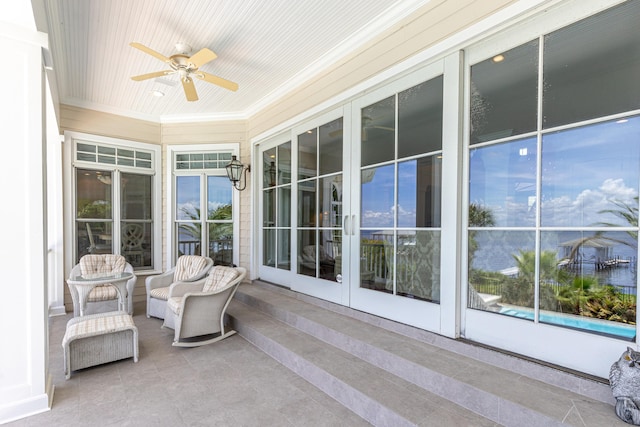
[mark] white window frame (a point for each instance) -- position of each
(172, 151)
(70, 140)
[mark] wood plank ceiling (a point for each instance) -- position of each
(267, 47)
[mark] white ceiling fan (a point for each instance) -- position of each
(187, 67)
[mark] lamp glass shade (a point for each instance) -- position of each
(234, 169)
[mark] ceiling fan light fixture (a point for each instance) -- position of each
(157, 93)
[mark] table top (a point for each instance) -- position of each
(101, 277)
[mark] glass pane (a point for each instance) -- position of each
(93, 194)
(107, 150)
(87, 148)
(420, 118)
(269, 248)
(137, 244)
(93, 238)
(502, 184)
(135, 197)
(376, 260)
(590, 175)
(588, 281)
(284, 163)
(269, 168)
(188, 198)
(330, 201)
(269, 208)
(284, 206)
(307, 212)
(307, 154)
(377, 132)
(504, 94)
(189, 238)
(418, 265)
(419, 192)
(501, 271)
(377, 193)
(284, 249)
(219, 197)
(221, 243)
(307, 252)
(330, 146)
(591, 68)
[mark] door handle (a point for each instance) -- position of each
(346, 225)
(353, 221)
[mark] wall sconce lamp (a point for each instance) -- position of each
(234, 172)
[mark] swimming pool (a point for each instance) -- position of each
(618, 330)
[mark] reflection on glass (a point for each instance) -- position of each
(307, 249)
(136, 240)
(269, 208)
(502, 182)
(307, 154)
(93, 238)
(93, 191)
(269, 247)
(330, 201)
(188, 198)
(219, 197)
(189, 238)
(269, 169)
(284, 163)
(135, 196)
(419, 192)
(284, 207)
(420, 118)
(591, 174)
(377, 132)
(377, 196)
(504, 94)
(591, 68)
(284, 249)
(377, 263)
(330, 147)
(418, 265)
(307, 212)
(588, 281)
(501, 270)
(221, 243)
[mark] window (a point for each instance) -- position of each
(114, 200)
(203, 213)
(554, 177)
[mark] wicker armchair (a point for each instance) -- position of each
(103, 298)
(196, 310)
(187, 269)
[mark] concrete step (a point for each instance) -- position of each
(393, 374)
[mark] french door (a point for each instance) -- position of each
(352, 202)
(303, 200)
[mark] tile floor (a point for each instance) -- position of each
(230, 383)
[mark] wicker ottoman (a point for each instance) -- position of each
(99, 338)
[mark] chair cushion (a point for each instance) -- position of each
(219, 277)
(103, 293)
(102, 263)
(188, 266)
(160, 293)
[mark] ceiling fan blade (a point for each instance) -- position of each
(201, 57)
(151, 75)
(189, 89)
(150, 51)
(216, 80)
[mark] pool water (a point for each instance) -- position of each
(614, 329)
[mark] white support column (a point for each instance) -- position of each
(25, 383)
